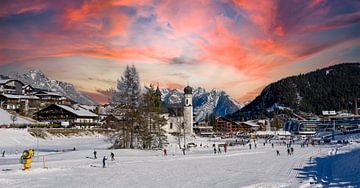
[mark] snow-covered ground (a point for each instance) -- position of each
(5, 119)
(200, 167)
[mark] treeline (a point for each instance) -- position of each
(332, 88)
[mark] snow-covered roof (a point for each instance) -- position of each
(48, 93)
(11, 96)
(280, 133)
(4, 81)
(6, 120)
(250, 123)
(81, 112)
(88, 107)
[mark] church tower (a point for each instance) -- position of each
(188, 110)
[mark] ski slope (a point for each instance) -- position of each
(239, 167)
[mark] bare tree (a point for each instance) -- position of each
(13, 118)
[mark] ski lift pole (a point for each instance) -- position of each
(43, 159)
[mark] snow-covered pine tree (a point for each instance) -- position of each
(127, 99)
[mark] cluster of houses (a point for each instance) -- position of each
(48, 107)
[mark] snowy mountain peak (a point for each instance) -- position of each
(38, 79)
(205, 102)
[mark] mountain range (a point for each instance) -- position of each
(332, 88)
(37, 79)
(204, 102)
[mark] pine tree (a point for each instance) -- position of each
(151, 131)
(127, 98)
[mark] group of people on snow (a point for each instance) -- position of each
(112, 156)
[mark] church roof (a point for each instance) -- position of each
(188, 90)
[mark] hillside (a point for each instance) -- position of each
(331, 88)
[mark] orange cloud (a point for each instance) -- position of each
(249, 96)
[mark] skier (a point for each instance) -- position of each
(264, 144)
(214, 150)
(74, 149)
(277, 153)
(272, 145)
(288, 151)
(112, 155)
(255, 145)
(292, 150)
(95, 154)
(249, 146)
(165, 152)
(104, 161)
(183, 151)
(225, 147)
(219, 150)
(3, 153)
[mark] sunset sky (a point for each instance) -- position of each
(234, 45)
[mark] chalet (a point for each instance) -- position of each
(112, 121)
(226, 126)
(11, 86)
(50, 97)
(73, 116)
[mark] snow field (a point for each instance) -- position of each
(200, 167)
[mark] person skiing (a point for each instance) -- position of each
(255, 145)
(219, 150)
(214, 150)
(165, 152)
(225, 147)
(272, 145)
(104, 161)
(95, 154)
(288, 151)
(3, 153)
(183, 150)
(249, 146)
(112, 155)
(277, 153)
(292, 150)
(264, 144)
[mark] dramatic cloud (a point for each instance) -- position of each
(236, 45)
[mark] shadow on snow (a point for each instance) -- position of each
(333, 171)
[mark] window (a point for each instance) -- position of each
(171, 125)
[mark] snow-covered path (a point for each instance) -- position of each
(239, 167)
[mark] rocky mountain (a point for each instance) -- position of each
(332, 88)
(37, 79)
(204, 102)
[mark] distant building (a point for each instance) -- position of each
(11, 86)
(67, 116)
(179, 117)
(16, 96)
(112, 121)
(310, 127)
(226, 126)
(203, 129)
